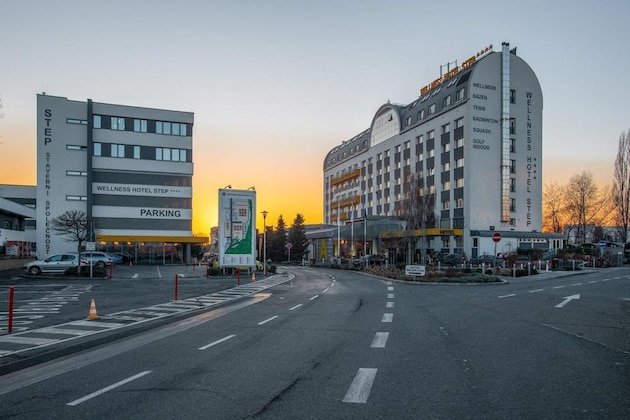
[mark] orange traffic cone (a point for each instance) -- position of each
(92, 314)
(253, 276)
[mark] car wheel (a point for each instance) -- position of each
(34, 271)
(100, 264)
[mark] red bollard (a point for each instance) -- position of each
(176, 281)
(11, 290)
(111, 268)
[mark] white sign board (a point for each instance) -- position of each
(90, 246)
(415, 270)
(237, 228)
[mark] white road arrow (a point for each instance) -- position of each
(566, 300)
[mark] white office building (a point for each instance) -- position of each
(128, 168)
(470, 146)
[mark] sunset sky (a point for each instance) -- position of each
(275, 85)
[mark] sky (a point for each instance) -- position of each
(275, 85)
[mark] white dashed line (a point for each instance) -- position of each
(295, 307)
(536, 290)
(576, 284)
(214, 343)
(504, 296)
(388, 318)
(314, 297)
(558, 287)
(389, 304)
(380, 340)
(594, 281)
(361, 386)
(390, 296)
(267, 320)
(390, 289)
(108, 388)
(325, 290)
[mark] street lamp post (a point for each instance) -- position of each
(264, 213)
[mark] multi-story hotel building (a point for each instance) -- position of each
(470, 145)
(128, 168)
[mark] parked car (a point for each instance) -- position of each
(56, 263)
(485, 259)
(97, 259)
(126, 257)
(116, 258)
(450, 259)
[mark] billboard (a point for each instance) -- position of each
(237, 228)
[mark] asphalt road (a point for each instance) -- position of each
(338, 344)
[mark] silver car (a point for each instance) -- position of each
(56, 263)
(97, 259)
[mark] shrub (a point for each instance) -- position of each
(85, 271)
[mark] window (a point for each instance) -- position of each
(431, 171)
(97, 121)
(512, 184)
(445, 205)
(159, 127)
(512, 166)
(407, 145)
(118, 150)
(512, 125)
(446, 185)
(512, 145)
(432, 188)
(97, 149)
(446, 166)
(166, 154)
(447, 101)
(136, 152)
(419, 139)
(459, 182)
(512, 222)
(118, 123)
(408, 121)
(176, 155)
(76, 198)
(431, 109)
(431, 135)
(459, 122)
(460, 94)
(459, 143)
(459, 163)
(75, 147)
(140, 126)
(446, 147)
(512, 204)
(512, 96)
(446, 128)
(166, 127)
(76, 173)
(76, 121)
(431, 153)
(459, 203)
(421, 115)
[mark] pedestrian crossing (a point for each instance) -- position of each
(42, 337)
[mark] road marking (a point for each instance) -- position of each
(267, 320)
(159, 273)
(325, 290)
(390, 288)
(333, 285)
(536, 290)
(606, 280)
(26, 340)
(379, 341)
(567, 299)
(108, 388)
(504, 296)
(135, 276)
(361, 386)
(594, 281)
(576, 284)
(214, 343)
(387, 317)
(389, 304)
(558, 287)
(390, 296)
(314, 297)
(295, 307)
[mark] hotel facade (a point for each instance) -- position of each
(128, 168)
(469, 147)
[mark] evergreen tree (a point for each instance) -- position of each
(297, 238)
(276, 242)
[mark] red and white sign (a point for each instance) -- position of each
(496, 236)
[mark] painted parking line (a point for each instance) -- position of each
(361, 386)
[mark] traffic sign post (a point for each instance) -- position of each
(496, 237)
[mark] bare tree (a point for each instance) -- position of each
(585, 206)
(621, 186)
(73, 224)
(417, 210)
(553, 208)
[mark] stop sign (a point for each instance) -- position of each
(496, 236)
